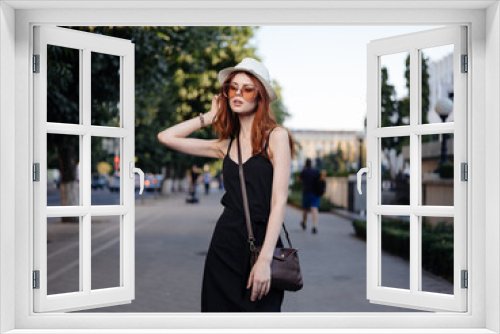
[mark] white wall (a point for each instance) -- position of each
(7, 171)
(492, 144)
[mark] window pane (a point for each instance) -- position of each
(63, 180)
(437, 169)
(395, 89)
(63, 85)
(395, 234)
(63, 254)
(437, 84)
(105, 171)
(437, 254)
(105, 252)
(395, 170)
(105, 89)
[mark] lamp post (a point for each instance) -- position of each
(361, 136)
(444, 107)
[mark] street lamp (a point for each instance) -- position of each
(361, 136)
(444, 107)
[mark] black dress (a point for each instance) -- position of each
(227, 265)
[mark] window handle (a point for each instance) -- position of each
(134, 170)
(368, 171)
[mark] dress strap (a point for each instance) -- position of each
(267, 141)
(229, 147)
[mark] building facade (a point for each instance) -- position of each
(315, 144)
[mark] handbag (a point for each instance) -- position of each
(285, 266)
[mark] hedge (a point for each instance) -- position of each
(437, 243)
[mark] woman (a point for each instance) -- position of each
(242, 112)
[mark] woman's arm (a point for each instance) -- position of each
(281, 160)
(174, 137)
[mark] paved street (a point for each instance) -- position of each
(172, 238)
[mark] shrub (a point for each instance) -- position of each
(341, 174)
(360, 228)
(295, 198)
(446, 171)
(296, 185)
(437, 243)
(325, 205)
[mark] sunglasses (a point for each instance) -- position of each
(248, 92)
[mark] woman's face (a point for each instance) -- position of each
(238, 104)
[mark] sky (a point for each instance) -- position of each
(322, 71)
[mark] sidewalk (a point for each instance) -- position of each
(172, 238)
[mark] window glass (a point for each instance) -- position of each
(63, 254)
(395, 89)
(437, 87)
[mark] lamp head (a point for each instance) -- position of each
(444, 107)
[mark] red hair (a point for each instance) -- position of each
(227, 123)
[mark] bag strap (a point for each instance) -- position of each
(251, 238)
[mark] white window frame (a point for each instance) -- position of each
(16, 22)
(85, 43)
(414, 296)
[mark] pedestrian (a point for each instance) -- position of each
(309, 176)
(193, 183)
(220, 180)
(207, 177)
(242, 113)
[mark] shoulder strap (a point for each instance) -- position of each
(229, 147)
(267, 141)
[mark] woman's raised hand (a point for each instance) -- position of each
(215, 107)
(174, 137)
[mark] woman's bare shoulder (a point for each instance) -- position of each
(278, 140)
(280, 129)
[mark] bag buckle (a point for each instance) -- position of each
(252, 246)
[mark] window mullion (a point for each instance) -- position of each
(85, 173)
(415, 246)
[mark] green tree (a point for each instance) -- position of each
(404, 104)
(388, 100)
(393, 112)
(335, 162)
(280, 111)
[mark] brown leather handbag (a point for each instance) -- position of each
(285, 266)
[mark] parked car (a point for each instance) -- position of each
(99, 181)
(114, 183)
(137, 182)
(152, 182)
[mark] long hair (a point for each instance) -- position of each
(227, 123)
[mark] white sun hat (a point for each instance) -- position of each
(254, 67)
